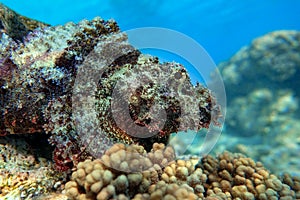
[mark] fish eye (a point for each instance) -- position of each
(178, 75)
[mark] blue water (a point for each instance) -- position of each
(222, 27)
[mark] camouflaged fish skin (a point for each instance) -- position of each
(37, 79)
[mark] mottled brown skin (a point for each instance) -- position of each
(26, 108)
(139, 106)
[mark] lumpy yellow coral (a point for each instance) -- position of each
(229, 176)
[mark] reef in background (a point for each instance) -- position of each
(262, 87)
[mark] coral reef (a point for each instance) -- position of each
(68, 84)
(262, 88)
(52, 196)
(23, 175)
(121, 170)
(272, 65)
(272, 58)
(229, 176)
(236, 176)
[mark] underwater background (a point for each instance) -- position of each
(256, 47)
